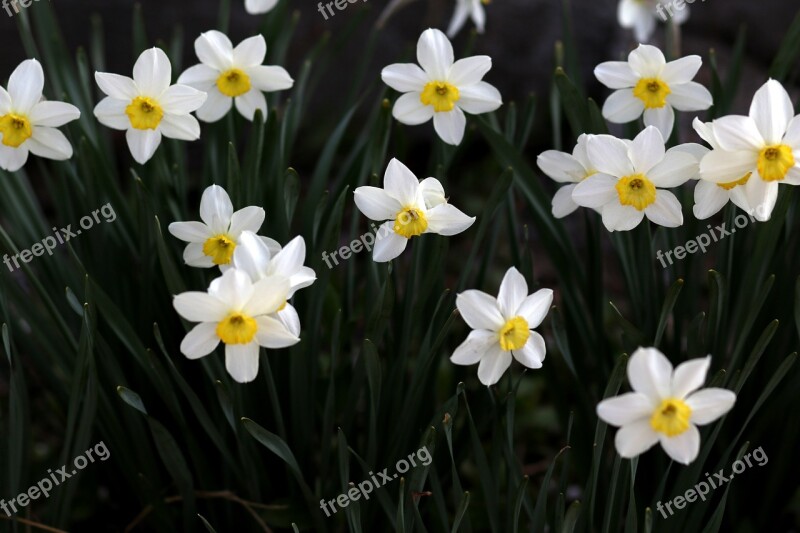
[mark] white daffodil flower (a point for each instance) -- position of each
(441, 90)
(641, 16)
(566, 168)
(766, 143)
(213, 241)
(647, 84)
(235, 311)
(28, 123)
(254, 257)
(467, 9)
(625, 188)
(257, 7)
(411, 208)
(147, 106)
(233, 75)
(502, 327)
(665, 406)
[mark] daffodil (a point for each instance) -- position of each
(28, 123)
(257, 7)
(629, 174)
(410, 207)
(502, 327)
(566, 168)
(441, 90)
(235, 311)
(147, 106)
(468, 9)
(647, 84)
(665, 406)
(764, 145)
(641, 16)
(233, 75)
(213, 241)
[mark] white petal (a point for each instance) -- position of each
(110, 112)
(513, 290)
(248, 103)
(644, 26)
(182, 100)
(252, 255)
(772, 110)
(616, 75)
(650, 373)
(274, 334)
(26, 85)
(709, 404)
(493, 365)
(193, 256)
(535, 307)
(302, 278)
(681, 70)
(400, 183)
(215, 50)
(479, 98)
(447, 220)
(405, 77)
(761, 195)
(450, 125)
(706, 132)
(152, 72)
(622, 107)
(563, 204)
(190, 231)
(532, 354)
(200, 341)
(291, 258)
(250, 52)
(625, 409)
(181, 127)
(690, 97)
(410, 110)
(13, 159)
(675, 169)
(647, 150)
(234, 288)
(53, 114)
(432, 191)
(215, 202)
(480, 310)
(469, 71)
(647, 61)
(376, 204)
(738, 133)
(618, 217)
(257, 7)
(247, 219)
(709, 198)
(792, 137)
(241, 361)
(215, 107)
(200, 77)
(682, 448)
(435, 53)
(662, 118)
(388, 244)
(5, 102)
(143, 144)
(689, 376)
(634, 439)
(269, 295)
(596, 191)
(609, 155)
(116, 86)
(460, 16)
(665, 211)
(289, 318)
(199, 307)
(269, 78)
(49, 143)
(561, 167)
(476, 345)
(719, 166)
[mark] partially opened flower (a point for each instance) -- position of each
(502, 327)
(411, 208)
(236, 312)
(213, 241)
(147, 106)
(665, 406)
(566, 168)
(467, 9)
(647, 84)
(28, 123)
(441, 90)
(641, 16)
(766, 143)
(257, 7)
(630, 174)
(233, 75)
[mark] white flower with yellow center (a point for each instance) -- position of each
(257, 7)
(441, 90)
(629, 174)
(147, 106)
(213, 241)
(235, 311)
(28, 123)
(254, 257)
(641, 16)
(502, 327)
(411, 208)
(233, 75)
(566, 168)
(647, 84)
(468, 9)
(665, 406)
(766, 143)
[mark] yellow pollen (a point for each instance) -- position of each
(16, 129)
(233, 82)
(410, 222)
(144, 113)
(237, 328)
(671, 418)
(774, 162)
(514, 334)
(441, 95)
(731, 184)
(220, 249)
(282, 307)
(653, 92)
(636, 190)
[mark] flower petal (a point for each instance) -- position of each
(214, 49)
(270, 78)
(250, 52)
(200, 341)
(49, 143)
(110, 112)
(274, 334)
(215, 202)
(561, 167)
(676, 168)
(596, 191)
(616, 75)
(647, 150)
(409, 109)
(200, 77)
(709, 198)
(689, 376)
(388, 244)
(152, 72)
(248, 103)
(738, 133)
(535, 307)
(215, 107)
(53, 114)
(647, 61)
(435, 54)
(479, 98)
(190, 231)
(405, 77)
(249, 218)
(650, 373)
(662, 118)
(116, 86)
(690, 97)
(493, 365)
(622, 107)
(618, 217)
(432, 191)
(268, 295)
(400, 183)
(532, 354)
(13, 159)
(480, 310)
(182, 100)
(681, 70)
(181, 127)
(469, 71)
(26, 85)
(257, 7)
(447, 220)
(772, 110)
(719, 166)
(376, 204)
(682, 448)
(143, 144)
(709, 404)
(563, 204)
(513, 291)
(634, 439)
(194, 256)
(761, 196)
(476, 345)
(609, 155)
(450, 125)
(625, 409)
(241, 361)
(200, 307)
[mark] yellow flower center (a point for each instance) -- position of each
(731, 184)
(233, 82)
(16, 129)
(220, 249)
(636, 190)
(514, 334)
(653, 92)
(144, 113)
(671, 418)
(774, 162)
(237, 328)
(410, 222)
(441, 95)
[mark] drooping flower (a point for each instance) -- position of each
(28, 123)
(502, 327)
(213, 241)
(441, 90)
(665, 406)
(410, 207)
(625, 189)
(257, 7)
(235, 311)
(147, 106)
(467, 9)
(641, 16)
(647, 84)
(233, 75)
(566, 168)
(765, 144)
